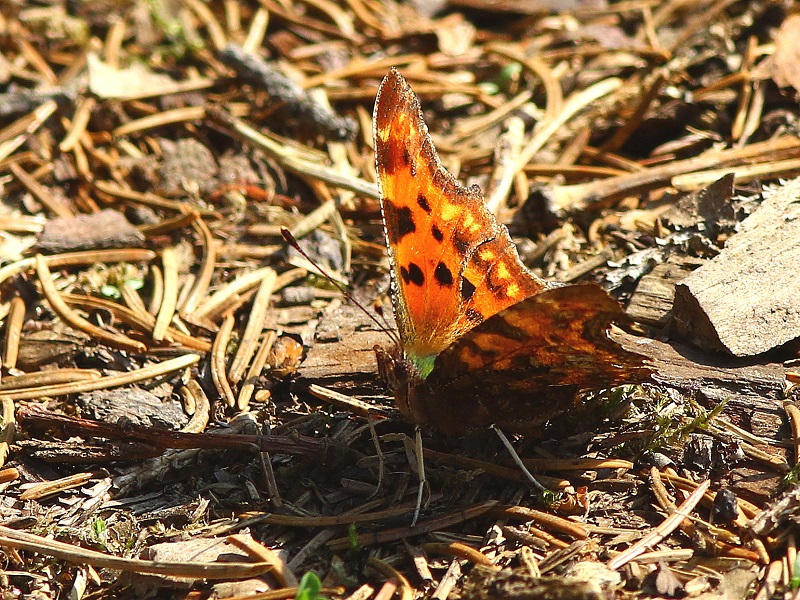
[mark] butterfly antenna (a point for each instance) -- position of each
(292, 241)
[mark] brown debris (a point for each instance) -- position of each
(785, 61)
(104, 229)
(172, 376)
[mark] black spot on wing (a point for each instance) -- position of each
(405, 222)
(412, 274)
(443, 275)
(437, 233)
(423, 203)
(467, 289)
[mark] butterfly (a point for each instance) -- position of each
(482, 340)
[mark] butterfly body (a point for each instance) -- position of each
(482, 339)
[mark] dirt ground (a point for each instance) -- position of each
(190, 410)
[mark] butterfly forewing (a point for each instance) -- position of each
(452, 264)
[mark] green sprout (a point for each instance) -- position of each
(309, 588)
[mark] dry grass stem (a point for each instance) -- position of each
(70, 259)
(255, 324)
(182, 375)
(13, 333)
(79, 122)
(263, 554)
(201, 413)
(64, 375)
(10, 538)
(109, 381)
(345, 402)
(40, 192)
(510, 473)
(580, 196)
(663, 530)
(49, 488)
(169, 297)
(422, 526)
(256, 368)
(459, 551)
(233, 289)
(219, 372)
(546, 520)
(385, 569)
(574, 104)
(12, 137)
(114, 340)
(141, 320)
(206, 272)
(8, 427)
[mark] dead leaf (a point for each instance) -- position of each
(786, 60)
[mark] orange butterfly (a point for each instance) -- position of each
(482, 339)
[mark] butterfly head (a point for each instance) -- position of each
(404, 379)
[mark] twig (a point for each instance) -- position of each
(161, 439)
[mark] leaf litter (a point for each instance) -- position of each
(149, 158)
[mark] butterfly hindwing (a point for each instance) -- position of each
(528, 362)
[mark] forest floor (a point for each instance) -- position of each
(190, 410)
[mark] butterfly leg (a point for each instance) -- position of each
(379, 452)
(518, 460)
(423, 482)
